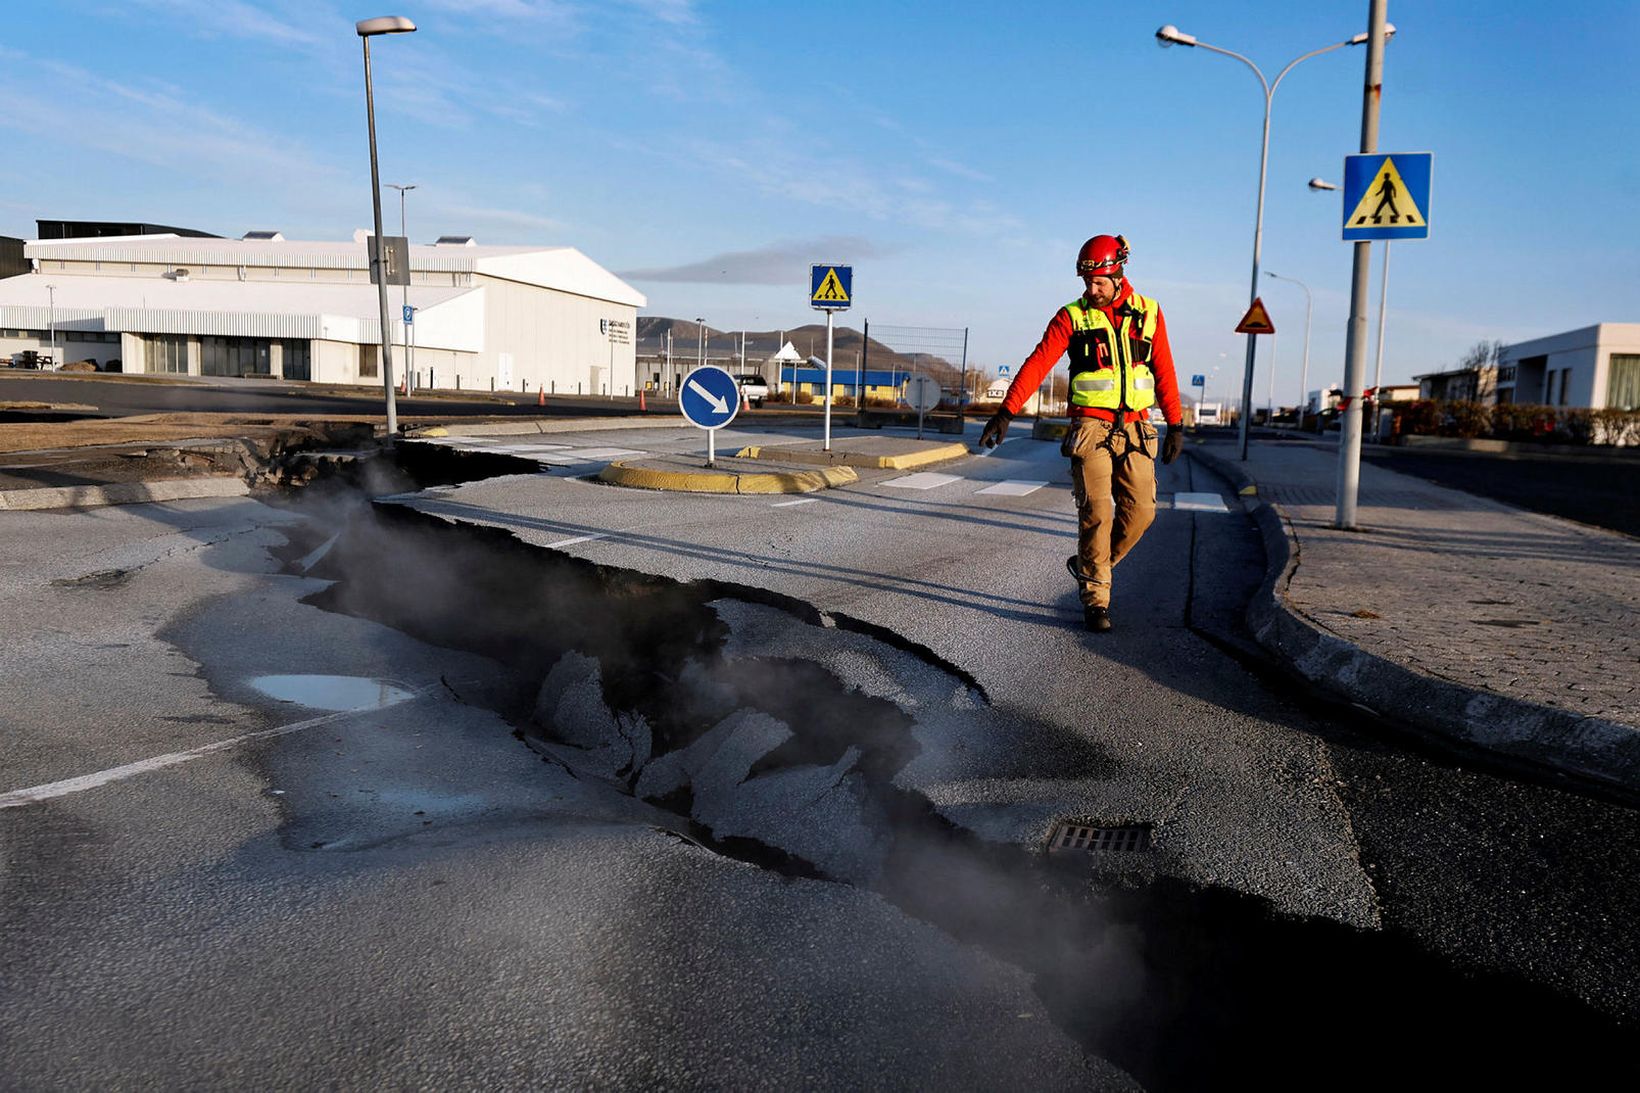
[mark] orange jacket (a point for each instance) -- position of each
(1057, 338)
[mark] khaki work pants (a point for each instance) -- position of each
(1113, 474)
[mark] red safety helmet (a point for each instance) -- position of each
(1102, 256)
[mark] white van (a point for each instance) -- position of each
(1207, 413)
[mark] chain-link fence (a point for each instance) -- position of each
(893, 354)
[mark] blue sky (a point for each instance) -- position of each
(956, 153)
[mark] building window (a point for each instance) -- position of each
(234, 357)
(167, 353)
(298, 359)
(368, 368)
(1565, 374)
(1623, 382)
(1506, 373)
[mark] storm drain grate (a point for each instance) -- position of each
(1116, 839)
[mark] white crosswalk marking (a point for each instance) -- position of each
(923, 480)
(1199, 502)
(1013, 488)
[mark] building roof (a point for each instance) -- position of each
(563, 269)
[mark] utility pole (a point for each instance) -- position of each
(1355, 343)
(404, 298)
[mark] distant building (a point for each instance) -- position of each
(1595, 367)
(485, 317)
(1477, 384)
(109, 229)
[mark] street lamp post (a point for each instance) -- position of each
(1171, 36)
(1303, 369)
(368, 29)
(404, 298)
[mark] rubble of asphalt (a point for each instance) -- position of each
(779, 736)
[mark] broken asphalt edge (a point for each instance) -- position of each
(645, 478)
(122, 493)
(901, 462)
(1590, 748)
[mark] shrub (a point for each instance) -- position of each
(1616, 426)
(1468, 419)
(1422, 417)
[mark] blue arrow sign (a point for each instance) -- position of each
(831, 288)
(710, 397)
(409, 314)
(1386, 195)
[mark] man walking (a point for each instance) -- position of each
(1120, 365)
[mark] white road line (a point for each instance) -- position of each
(1199, 502)
(804, 501)
(1014, 488)
(923, 480)
(17, 798)
(580, 539)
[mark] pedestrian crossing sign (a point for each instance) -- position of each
(1256, 321)
(831, 288)
(1386, 196)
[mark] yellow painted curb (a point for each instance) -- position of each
(436, 430)
(704, 481)
(1248, 491)
(852, 459)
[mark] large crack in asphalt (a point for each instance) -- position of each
(783, 738)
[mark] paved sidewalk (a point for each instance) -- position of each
(1507, 629)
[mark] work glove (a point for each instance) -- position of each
(1173, 443)
(995, 430)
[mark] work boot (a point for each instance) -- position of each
(1096, 619)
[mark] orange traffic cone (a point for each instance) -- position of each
(745, 400)
(541, 396)
(643, 403)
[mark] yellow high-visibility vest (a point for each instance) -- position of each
(1110, 367)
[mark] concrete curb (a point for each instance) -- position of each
(556, 425)
(644, 478)
(854, 459)
(122, 493)
(1593, 748)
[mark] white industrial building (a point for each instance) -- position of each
(485, 317)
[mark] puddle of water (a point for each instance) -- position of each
(334, 693)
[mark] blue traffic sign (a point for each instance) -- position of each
(1386, 195)
(710, 397)
(409, 314)
(1198, 381)
(831, 288)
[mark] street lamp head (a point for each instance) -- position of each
(1321, 184)
(1361, 39)
(1171, 35)
(383, 24)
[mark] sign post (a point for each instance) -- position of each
(709, 400)
(923, 392)
(831, 289)
(1386, 196)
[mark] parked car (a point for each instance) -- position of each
(754, 389)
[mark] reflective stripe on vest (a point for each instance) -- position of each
(1110, 368)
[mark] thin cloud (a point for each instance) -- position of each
(961, 170)
(776, 264)
(235, 19)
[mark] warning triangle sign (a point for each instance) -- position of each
(1386, 202)
(830, 290)
(1257, 320)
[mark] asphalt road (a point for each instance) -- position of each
(791, 767)
(131, 395)
(1590, 487)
